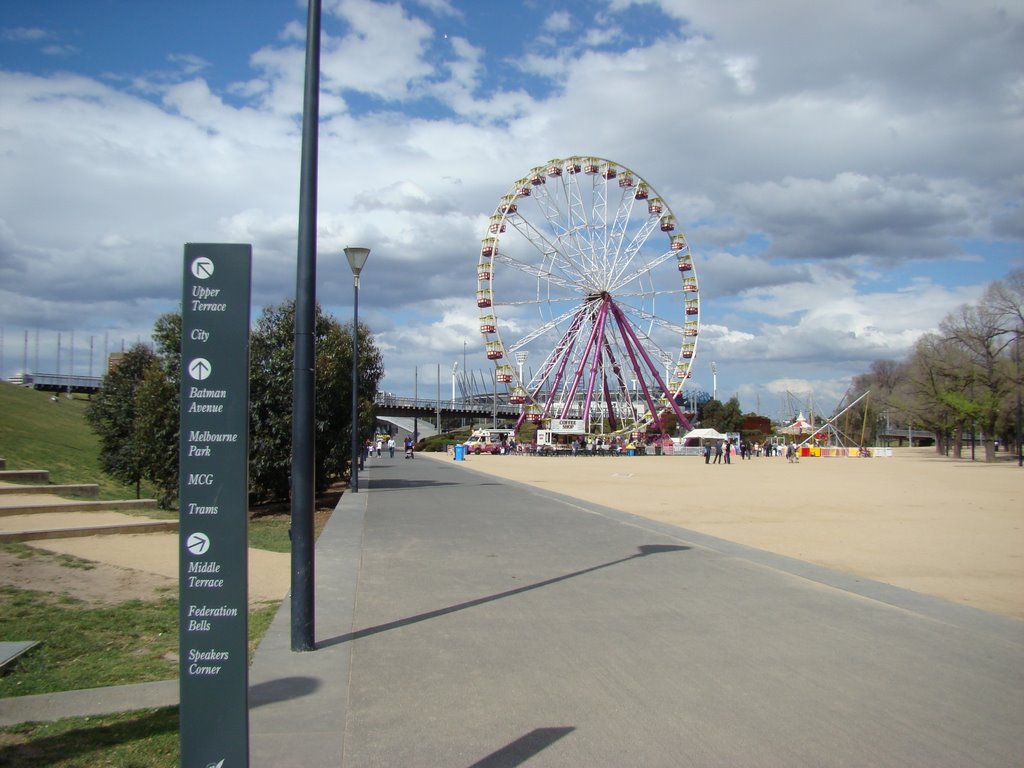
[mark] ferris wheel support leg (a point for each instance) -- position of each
(627, 330)
(613, 421)
(598, 336)
(570, 344)
(591, 347)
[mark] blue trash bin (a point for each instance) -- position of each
(460, 452)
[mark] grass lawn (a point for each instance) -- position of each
(80, 650)
(89, 646)
(142, 739)
(39, 433)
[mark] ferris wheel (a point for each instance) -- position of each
(588, 297)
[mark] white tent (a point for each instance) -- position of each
(704, 434)
(799, 427)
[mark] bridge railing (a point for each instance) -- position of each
(385, 400)
(62, 382)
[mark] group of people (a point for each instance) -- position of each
(718, 448)
(382, 443)
(725, 448)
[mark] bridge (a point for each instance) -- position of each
(483, 405)
(913, 437)
(62, 382)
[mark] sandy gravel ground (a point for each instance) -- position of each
(943, 527)
(954, 529)
(127, 566)
(156, 554)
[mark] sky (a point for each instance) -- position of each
(846, 174)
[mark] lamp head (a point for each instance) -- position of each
(357, 258)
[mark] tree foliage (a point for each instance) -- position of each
(271, 364)
(156, 424)
(725, 417)
(965, 377)
(136, 412)
(113, 414)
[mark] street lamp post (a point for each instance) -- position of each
(714, 381)
(304, 371)
(1020, 446)
(521, 356)
(455, 368)
(356, 260)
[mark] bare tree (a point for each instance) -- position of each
(935, 374)
(883, 382)
(1005, 298)
(981, 334)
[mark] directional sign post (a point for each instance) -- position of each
(213, 514)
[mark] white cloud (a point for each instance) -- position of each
(833, 175)
(382, 53)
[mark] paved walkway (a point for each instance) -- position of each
(466, 621)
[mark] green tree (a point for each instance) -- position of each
(136, 412)
(113, 413)
(725, 417)
(271, 364)
(984, 341)
(157, 414)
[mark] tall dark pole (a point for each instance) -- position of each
(304, 374)
(355, 384)
(356, 260)
(1020, 447)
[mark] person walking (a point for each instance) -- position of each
(391, 446)
(728, 451)
(718, 452)
(707, 453)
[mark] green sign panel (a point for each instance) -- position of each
(213, 514)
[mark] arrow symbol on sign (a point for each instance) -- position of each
(199, 368)
(202, 268)
(198, 543)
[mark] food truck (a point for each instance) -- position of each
(560, 435)
(487, 441)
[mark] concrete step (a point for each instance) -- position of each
(137, 526)
(23, 507)
(24, 475)
(62, 525)
(76, 489)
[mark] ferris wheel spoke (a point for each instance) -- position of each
(546, 247)
(579, 228)
(623, 253)
(655, 319)
(655, 292)
(620, 279)
(533, 271)
(515, 346)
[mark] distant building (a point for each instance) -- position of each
(760, 424)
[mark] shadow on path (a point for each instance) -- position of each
(523, 748)
(401, 484)
(645, 550)
(282, 689)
